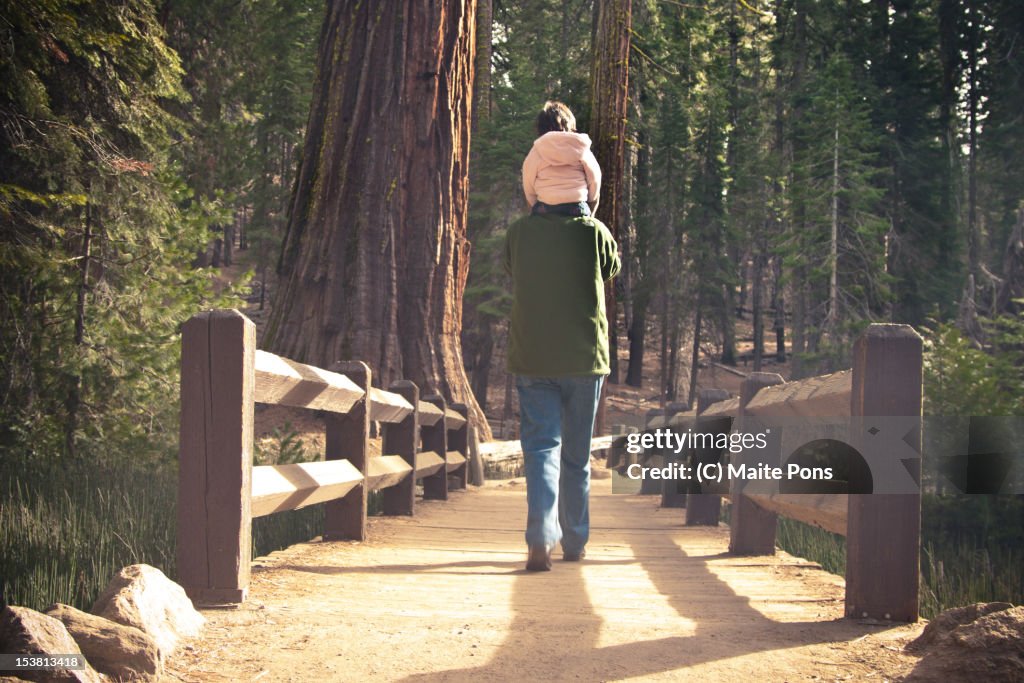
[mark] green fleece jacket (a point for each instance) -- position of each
(559, 266)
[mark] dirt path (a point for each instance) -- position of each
(443, 597)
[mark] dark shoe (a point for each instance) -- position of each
(574, 557)
(539, 559)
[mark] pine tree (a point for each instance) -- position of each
(842, 195)
(98, 231)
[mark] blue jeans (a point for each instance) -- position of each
(557, 416)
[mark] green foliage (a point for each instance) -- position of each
(925, 245)
(842, 187)
(250, 67)
(100, 231)
(1001, 87)
(962, 380)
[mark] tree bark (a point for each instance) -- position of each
(375, 256)
(73, 403)
(609, 95)
(478, 329)
(481, 372)
(728, 311)
(637, 334)
(663, 356)
(757, 287)
(484, 54)
(974, 236)
(229, 244)
(1012, 288)
(691, 397)
(833, 250)
(243, 229)
(672, 390)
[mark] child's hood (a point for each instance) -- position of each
(561, 148)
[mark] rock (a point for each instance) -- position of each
(141, 596)
(952, 619)
(25, 631)
(990, 648)
(122, 652)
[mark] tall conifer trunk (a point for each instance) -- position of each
(609, 94)
(375, 257)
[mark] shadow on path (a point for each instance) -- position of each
(543, 644)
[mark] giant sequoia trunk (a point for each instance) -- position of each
(375, 258)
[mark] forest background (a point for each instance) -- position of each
(805, 167)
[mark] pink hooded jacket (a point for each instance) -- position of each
(561, 169)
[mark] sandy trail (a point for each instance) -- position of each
(443, 597)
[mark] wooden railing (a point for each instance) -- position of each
(882, 530)
(223, 376)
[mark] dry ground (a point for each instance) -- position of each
(443, 597)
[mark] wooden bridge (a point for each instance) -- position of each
(436, 590)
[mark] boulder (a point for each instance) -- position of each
(990, 649)
(143, 597)
(25, 631)
(122, 652)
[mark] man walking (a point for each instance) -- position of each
(559, 260)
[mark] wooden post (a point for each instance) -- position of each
(650, 486)
(435, 438)
(348, 438)
(458, 440)
(214, 547)
(704, 509)
(883, 534)
(673, 491)
(476, 463)
(752, 528)
(708, 397)
(402, 439)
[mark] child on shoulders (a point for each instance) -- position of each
(561, 174)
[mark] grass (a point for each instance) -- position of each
(66, 529)
(959, 576)
(959, 567)
(812, 543)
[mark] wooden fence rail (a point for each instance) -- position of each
(882, 530)
(223, 376)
